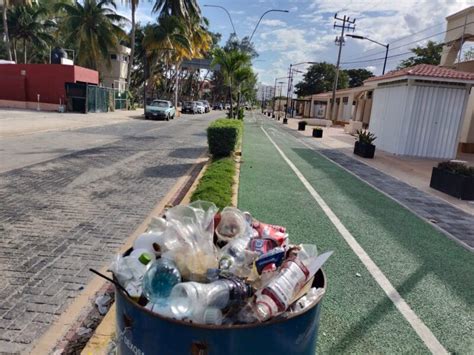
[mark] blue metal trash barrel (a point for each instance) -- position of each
(140, 331)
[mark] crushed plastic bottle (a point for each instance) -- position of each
(313, 296)
(129, 270)
(232, 224)
(236, 258)
(159, 279)
(191, 300)
(275, 298)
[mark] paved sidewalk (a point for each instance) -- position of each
(61, 217)
(454, 222)
(427, 270)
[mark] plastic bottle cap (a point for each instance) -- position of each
(144, 258)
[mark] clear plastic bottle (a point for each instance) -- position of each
(278, 294)
(190, 300)
(159, 280)
(129, 270)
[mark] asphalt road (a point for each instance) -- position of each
(69, 200)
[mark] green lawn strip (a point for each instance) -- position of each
(216, 183)
(431, 272)
(357, 317)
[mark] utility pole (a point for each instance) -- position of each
(347, 24)
(290, 83)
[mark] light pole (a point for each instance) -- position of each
(228, 14)
(258, 23)
(290, 81)
(380, 44)
(274, 89)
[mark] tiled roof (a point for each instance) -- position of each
(426, 70)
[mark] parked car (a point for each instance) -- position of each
(189, 107)
(200, 108)
(227, 106)
(161, 110)
(217, 106)
(207, 107)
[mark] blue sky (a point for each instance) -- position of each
(306, 33)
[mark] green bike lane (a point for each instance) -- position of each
(431, 273)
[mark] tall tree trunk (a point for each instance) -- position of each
(231, 103)
(132, 43)
(5, 29)
(238, 103)
(24, 50)
(14, 51)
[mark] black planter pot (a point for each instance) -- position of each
(317, 133)
(364, 150)
(301, 126)
(456, 185)
(273, 115)
(285, 121)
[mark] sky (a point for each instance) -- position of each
(306, 32)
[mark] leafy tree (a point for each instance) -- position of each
(27, 25)
(469, 54)
(320, 78)
(429, 54)
(357, 76)
(93, 28)
(243, 45)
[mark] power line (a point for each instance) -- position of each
(398, 40)
(377, 59)
(412, 42)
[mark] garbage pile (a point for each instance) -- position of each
(200, 265)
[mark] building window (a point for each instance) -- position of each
(345, 100)
(113, 56)
(369, 94)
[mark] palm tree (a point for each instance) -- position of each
(6, 4)
(92, 28)
(242, 76)
(26, 24)
(184, 9)
(133, 7)
(230, 62)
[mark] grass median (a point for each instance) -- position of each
(216, 185)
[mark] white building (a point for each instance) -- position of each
(115, 76)
(419, 111)
(264, 92)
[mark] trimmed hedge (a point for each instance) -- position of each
(223, 135)
(216, 183)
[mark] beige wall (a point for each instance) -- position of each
(455, 32)
(116, 75)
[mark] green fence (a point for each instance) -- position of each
(97, 99)
(120, 100)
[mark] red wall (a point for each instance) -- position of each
(23, 82)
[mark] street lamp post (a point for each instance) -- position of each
(290, 82)
(258, 23)
(380, 44)
(228, 14)
(274, 89)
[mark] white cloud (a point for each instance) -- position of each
(371, 68)
(273, 23)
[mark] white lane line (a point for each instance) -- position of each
(416, 323)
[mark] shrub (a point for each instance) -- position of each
(241, 114)
(456, 168)
(365, 137)
(216, 183)
(222, 136)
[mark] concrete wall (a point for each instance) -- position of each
(23, 82)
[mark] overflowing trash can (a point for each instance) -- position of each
(200, 281)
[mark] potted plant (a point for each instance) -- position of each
(454, 178)
(302, 125)
(318, 132)
(363, 146)
(285, 121)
